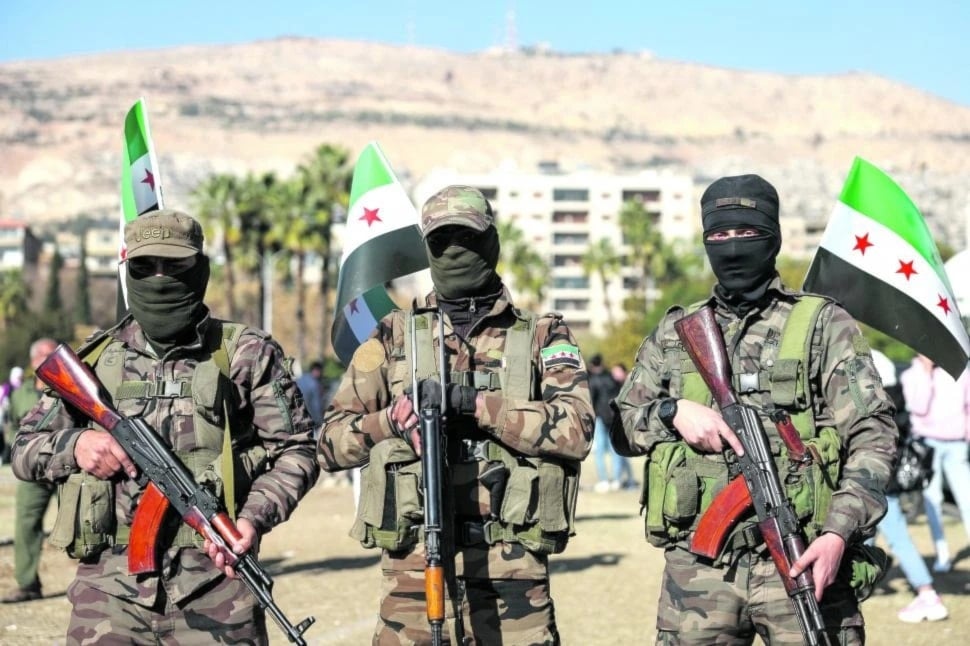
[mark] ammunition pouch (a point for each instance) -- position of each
(680, 484)
(390, 514)
(85, 524)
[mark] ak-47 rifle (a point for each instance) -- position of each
(777, 520)
(167, 482)
(439, 552)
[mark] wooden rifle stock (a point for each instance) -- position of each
(704, 343)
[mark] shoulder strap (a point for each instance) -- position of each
(221, 357)
(790, 373)
(515, 376)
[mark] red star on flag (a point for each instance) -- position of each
(370, 216)
(906, 269)
(862, 243)
(149, 179)
(944, 303)
(353, 307)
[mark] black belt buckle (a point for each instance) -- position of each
(474, 450)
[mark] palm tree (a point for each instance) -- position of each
(529, 271)
(657, 260)
(217, 205)
(325, 178)
(603, 260)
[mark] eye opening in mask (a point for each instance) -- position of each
(145, 266)
(747, 232)
(444, 237)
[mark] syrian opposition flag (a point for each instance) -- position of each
(140, 189)
(878, 259)
(382, 242)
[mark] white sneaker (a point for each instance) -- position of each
(926, 606)
(942, 566)
(602, 486)
(614, 485)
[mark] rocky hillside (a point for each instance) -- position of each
(265, 105)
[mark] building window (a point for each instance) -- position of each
(570, 282)
(572, 217)
(570, 304)
(570, 238)
(566, 260)
(570, 194)
(641, 195)
(631, 282)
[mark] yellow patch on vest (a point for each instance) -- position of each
(369, 356)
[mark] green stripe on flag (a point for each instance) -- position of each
(371, 171)
(136, 145)
(871, 192)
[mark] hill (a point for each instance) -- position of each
(265, 105)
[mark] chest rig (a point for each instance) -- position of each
(90, 524)
(680, 483)
(529, 500)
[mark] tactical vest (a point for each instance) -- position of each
(86, 522)
(535, 506)
(680, 483)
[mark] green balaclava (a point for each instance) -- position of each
(461, 242)
(168, 307)
(463, 262)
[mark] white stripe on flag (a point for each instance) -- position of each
(142, 188)
(882, 261)
(393, 207)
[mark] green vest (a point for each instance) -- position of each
(680, 484)
(537, 504)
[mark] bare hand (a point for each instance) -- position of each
(220, 556)
(98, 453)
(405, 421)
(823, 557)
(704, 429)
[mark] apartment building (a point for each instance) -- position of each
(18, 245)
(562, 213)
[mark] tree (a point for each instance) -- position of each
(82, 304)
(217, 205)
(528, 270)
(14, 297)
(657, 261)
(602, 260)
(52, 298)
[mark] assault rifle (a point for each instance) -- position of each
(167, 482)
(433, 474)
(777, 521)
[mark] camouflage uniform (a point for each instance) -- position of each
(188, 600)
(741, 594)
(504, 587)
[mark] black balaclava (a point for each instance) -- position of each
(169, 308)
(463, 262)
(744, 267)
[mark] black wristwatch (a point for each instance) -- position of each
(667, 411)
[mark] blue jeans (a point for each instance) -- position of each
(893, 529)
(622, 470)
(949, 460)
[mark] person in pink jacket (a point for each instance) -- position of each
(939, 409)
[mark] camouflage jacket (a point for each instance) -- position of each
(846, 393)
(558, 423)
(270, 412)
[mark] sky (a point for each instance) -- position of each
(922, 44)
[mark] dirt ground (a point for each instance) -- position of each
(605, 585)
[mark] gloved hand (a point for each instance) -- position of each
(460, 400)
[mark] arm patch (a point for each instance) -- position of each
(560, 354)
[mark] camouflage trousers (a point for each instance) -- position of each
(511, 612)
(702, 605)
(224, 612)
